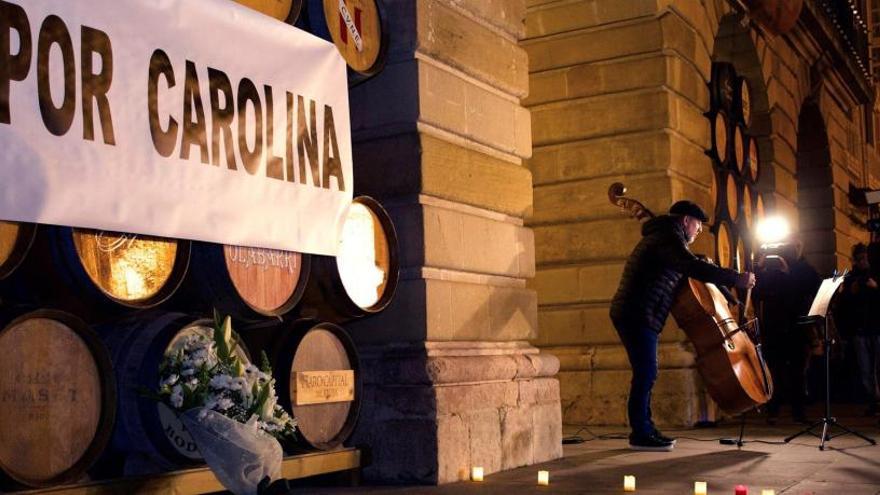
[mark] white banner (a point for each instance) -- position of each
(177, 118)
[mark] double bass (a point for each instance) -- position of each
(729, 362)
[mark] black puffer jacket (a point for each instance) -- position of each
(653, 273)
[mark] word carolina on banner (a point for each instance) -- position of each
(183, 133)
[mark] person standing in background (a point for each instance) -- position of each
(858, 300)
(786, 287)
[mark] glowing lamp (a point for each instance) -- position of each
(543, 478)
(476, 473)
(772, 230)
(629, 483)
(700, 488)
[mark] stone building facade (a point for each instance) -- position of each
(440, 137)
(618, 91)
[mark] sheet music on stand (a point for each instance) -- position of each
(823, 297)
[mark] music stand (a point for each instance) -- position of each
(819, 313)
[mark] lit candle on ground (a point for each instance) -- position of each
(768, 492)
(476, 473)
(741, 490)
(544, 478)
(629, 483)
(700, 488)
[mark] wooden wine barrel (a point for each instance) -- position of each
(246, 283)
(731, 198)
(148, 432)
(57, 398)
(15, 241)
(359, 32)
(739, 150)
(754, 161)
(742, 254)
(719, 137)
(744, 102)
(363, 276)
(318, 378)
(759, 206)
(283, 10)
(747, 207)
(722, 245)
(98, 274)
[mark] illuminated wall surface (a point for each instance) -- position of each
(628, 91)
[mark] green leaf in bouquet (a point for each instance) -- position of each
(220, 342)
(265, 367)
(218, 320)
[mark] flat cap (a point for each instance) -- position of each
(685, 207)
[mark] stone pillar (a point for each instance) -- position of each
(439, 137)
(618, 90)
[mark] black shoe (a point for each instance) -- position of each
(649, 443)
(871, 410)
(660, 436)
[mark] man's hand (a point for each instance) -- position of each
(745, 280)
(871, 283)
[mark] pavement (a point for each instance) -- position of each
(848, 465)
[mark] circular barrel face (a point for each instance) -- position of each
(8, 238)
(127, 267)
(745, 100)
(722, 246)
(50, 399)
(759, 207)
(363, 259)
(279, 9)
(739, 149)
(266, 279)
(356, 29)
(172, 427)
(720, 137)
(15, 242)
(747, 206)
(741, 255)
(322, 387)
(731, 198)
(754, 162)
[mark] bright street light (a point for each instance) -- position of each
(772, 230)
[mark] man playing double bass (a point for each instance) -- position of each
(658, 265)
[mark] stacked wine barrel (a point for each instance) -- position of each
(736, 167)
(90, 309)
(119, 302)
(57, 398)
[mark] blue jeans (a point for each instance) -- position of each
(641, 349)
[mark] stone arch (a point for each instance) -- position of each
(815, 188)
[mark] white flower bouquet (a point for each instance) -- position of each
(209, 373)
(229, 407)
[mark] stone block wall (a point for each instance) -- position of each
(440, 136)
(618, 92)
